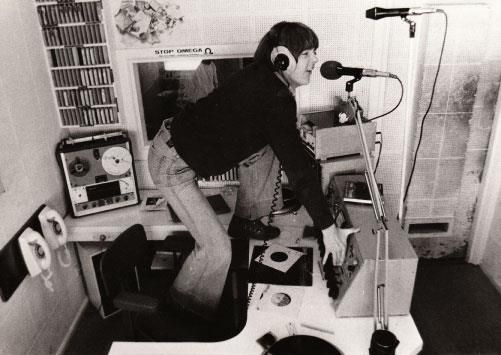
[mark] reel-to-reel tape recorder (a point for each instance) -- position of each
(99, 173)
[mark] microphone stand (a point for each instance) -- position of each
(383, 341)
(412, 26)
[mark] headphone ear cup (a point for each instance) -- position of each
(281, 62)
(283, 59)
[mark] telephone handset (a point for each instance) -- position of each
(55, 232)
(36, 254)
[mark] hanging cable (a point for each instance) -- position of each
(428, 108)
(276, 194)
(380, 149)
(394, 108)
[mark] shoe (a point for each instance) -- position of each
(251, 229)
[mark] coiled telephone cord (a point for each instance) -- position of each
(273, 208)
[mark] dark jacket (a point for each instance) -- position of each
(253, 109)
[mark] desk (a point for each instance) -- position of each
(350, 335)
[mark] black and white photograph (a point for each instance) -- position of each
(249, 177)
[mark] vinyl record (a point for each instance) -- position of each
(79, 167)
(302, 345)
(284, 300)
(281, 299)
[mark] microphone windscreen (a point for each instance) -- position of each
(331, 70)
(371, 13)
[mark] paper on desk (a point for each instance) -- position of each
(285, 300)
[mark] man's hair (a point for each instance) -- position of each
(296, 36)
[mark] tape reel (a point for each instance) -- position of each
(283, 59)
(79, 167)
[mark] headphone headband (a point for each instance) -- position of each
(280, 56)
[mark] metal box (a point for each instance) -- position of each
(325, 140)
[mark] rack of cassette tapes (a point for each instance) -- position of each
(79, 62)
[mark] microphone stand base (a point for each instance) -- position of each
(383, 342)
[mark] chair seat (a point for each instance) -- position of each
(136, 302)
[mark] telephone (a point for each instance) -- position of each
(36, 254)
(55, 232)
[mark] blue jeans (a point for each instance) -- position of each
(258, 176)
(200, 282)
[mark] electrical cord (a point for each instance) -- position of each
(395, 107)
(276, 193)
(380, 149)
(427, 109)
(273, 208)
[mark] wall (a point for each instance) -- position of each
(491, 262)
(486, 246)
(456, 132)
(34, 320)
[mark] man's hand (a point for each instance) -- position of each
(335, 243)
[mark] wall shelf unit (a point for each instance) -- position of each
(79, 63)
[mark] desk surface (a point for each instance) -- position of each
(106, 226)
(313, 307)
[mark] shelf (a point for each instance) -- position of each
(77, 46)
(82, 87)
(88, 116)
(78, 60)
(52, 2)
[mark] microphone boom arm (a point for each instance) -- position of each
(380, 298)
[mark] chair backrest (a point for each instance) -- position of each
(128, 255)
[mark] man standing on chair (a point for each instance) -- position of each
(249, 122)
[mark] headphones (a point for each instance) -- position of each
(283, 59)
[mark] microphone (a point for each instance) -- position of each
(378, 12)
(333, 70)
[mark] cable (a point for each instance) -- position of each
(428, 109)
(276, 193)
(380, 149)
(273, 208)
(394, 108)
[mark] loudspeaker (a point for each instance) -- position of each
(283, 59)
